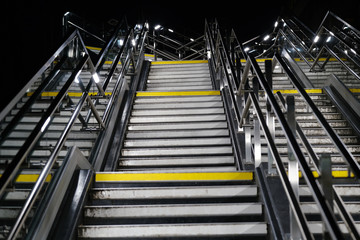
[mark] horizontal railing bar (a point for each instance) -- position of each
(323, 122)
(327, 214)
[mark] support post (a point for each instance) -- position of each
(293, 166)
(257, 138)
(326, 184)
(270, 119)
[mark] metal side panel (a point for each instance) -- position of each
(50, 205)
(298, 72)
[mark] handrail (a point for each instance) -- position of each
(225, 61)
(295, 205)
(325, 47)
(332, 53)
(47, 117)
(66, 22)
(174, 49)
(104, 52)
(293, 200)
(251, 64)
(349, 221)
(326, 126)
(47, 168)
(15, 120)
(329, 15)
(37, 75)
(109, 44)
(327, 214)
(87, 32)
(43, 123)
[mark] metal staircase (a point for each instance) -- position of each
(180, 137)
(154, 138)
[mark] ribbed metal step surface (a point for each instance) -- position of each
(179, 77)
(179, 155)
(317, 136)
(176, 126)
(174, 205)
(81, 137)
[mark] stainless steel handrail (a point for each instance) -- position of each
(37, 75)
(326, 126)
(252, 99)
(349, 221)
(329, 15)
(15, 120)
(328, 33)
(43, 124)
(85, 31)
(326, 212)
(225, 61)
(293, 200)
(24, 212)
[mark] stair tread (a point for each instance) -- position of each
(168, 230)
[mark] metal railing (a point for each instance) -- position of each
(323, 44)
(243, 97)
(335, 39)
(72, 52)
(97, 35)
(171, 45)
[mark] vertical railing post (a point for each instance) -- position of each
(154, 36)
(326, 183)
(293, 166)
(270, 119)
(257, 138)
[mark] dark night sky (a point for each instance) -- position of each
(32, 29)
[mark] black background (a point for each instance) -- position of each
(31, 30)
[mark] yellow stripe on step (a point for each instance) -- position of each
(182, 93)
(30, 178)
(178, 62)
(314, 90)
(294, 91)
(335, 174)
(296, 59)
(71, 94)
(198, 176)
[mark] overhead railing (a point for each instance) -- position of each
(243, 90)
(125, 53)
(335, 40)
(168, 44)
(96, 34)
